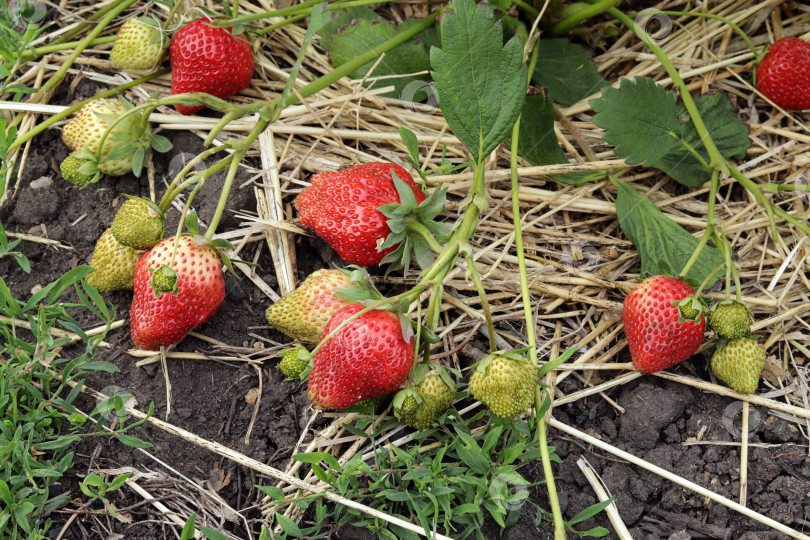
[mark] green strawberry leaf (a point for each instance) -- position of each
(640, 118)
(662, 244)
(566, 70)
(728, 132)
(643, 120)
(410, 57)
(480, 83)
(343, 17)
(538, 144)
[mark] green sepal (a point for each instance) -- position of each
(191, 222)
(406, 220)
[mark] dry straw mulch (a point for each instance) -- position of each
(580, 265)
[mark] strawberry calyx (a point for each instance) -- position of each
(414, 231)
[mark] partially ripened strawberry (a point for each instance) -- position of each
(730, 319)
(303, 313)
(505, 382)
(85, 130)
(368, 358)
(139, 44)
(138, 223)
(210, 60)
(739, 363)
(166, 319)
(113, 265)
(73, 170)
(355, 210)
(427, 396)
(651, 322)
(783, 75)
(293, 362)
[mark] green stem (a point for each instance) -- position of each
(586, 13)
(542, 441)
(30, 54)
(236, 158)
(714, 186)
(416, 226)
(770, 208)
(482, 294)
(531, 338)
(171, 192)
(284, 22)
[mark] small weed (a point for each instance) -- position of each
(39, 383)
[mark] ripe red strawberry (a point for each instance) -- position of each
(138, 223)
(342, 208)
(303, 313)
(657, 340)
(113, 264)
(739, 364)
(368, 358)
(209, 60)
(166, 319)
(783, 75)
(139, 44)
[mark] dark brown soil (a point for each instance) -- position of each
(660, 419)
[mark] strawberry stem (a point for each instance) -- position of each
(482, 293)
(714, 186)
(531, 338)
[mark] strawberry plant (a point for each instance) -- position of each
(504, 95)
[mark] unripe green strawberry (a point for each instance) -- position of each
(505, 383)
(730, 319)
(739, 364)
(293, 363)
(690, 309)
(113, 265)
(304, 313)
(425, 402)
(164, 280)
(139, 45)
(138, 223)
(71, 172)
(85, 130)
(377, 404)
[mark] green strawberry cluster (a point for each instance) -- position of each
(738, 359)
